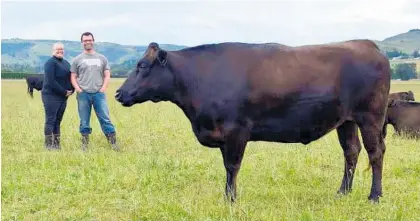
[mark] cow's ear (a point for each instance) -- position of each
(154, 46)
(162, 57)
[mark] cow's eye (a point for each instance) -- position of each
(143, 65)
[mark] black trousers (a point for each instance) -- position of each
(54, 107)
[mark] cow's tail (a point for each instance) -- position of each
(30, 89)
(384, 132)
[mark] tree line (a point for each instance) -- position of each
(117, 70)
(405, 71)
(23, 75)
(403, 55)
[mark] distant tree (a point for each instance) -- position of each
(416, 53)
(394, 74)
(405, 71)
(394, 53)
(19, 68)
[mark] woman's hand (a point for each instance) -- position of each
(69, 93)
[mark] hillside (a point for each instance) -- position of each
(30, 55)
(405, 42)
(21, 55)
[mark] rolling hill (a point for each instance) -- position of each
(406, 42)
(21, 55)
(30, 55)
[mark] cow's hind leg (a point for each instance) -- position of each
(31, 91)
(349, 140)
(233, 152)
(371, 128)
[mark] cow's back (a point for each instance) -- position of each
(280, 69)
(299, 94)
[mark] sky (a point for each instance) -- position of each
(192, 23)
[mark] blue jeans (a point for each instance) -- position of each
(85, 101)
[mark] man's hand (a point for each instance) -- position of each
(107, 76)
(74, 83)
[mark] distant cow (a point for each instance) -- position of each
(34, 82)
(408, 96)
(233, 93)
(404, 116)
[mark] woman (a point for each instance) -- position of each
(55, 91)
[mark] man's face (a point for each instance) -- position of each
(87, 42)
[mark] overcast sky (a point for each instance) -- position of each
(192, 22)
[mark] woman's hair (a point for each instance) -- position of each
(55, 45)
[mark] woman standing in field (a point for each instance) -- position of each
(55, 91)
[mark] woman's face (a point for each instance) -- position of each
(59, 51)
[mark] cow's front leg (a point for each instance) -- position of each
(233, 152)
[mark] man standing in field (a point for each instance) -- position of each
(90, 75)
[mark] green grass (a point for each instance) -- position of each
(163, 173)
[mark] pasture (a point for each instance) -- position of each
(163, 173)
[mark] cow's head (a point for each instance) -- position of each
(408, 96)
(151, 80)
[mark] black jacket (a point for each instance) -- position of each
(57, 77)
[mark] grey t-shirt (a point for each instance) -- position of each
(90, 69)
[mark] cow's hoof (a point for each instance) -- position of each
(343, 192)
(374, 198)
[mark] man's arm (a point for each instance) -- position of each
(107, 77)
(74, 82)
(73, 75)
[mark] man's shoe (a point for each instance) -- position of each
(85, 141)
(112, 139)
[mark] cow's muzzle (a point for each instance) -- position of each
(118, 95)
(121, 96)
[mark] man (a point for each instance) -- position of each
(90, 75)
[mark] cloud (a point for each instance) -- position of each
(391, 11)
(192, 22)
(62, 29)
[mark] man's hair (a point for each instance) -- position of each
(87, 34)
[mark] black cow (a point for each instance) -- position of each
(408, 96)
(34, 82)
(233, 93)
(404, 116)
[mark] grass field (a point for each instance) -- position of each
(163, 173)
